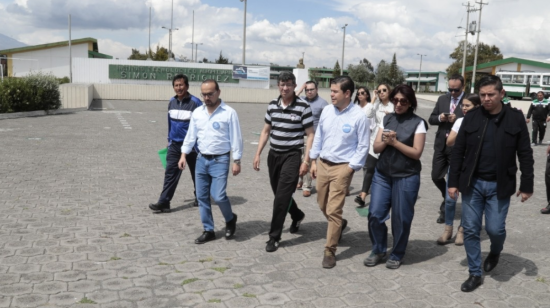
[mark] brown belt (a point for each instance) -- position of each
(328, 162)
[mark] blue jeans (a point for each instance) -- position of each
(482, 197)
(450, 206)
(399, 195)
(211, 176)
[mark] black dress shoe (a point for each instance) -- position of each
(196, 203)
(441, 218)
(160, 207)
(230, 227)
(471, 284)
(491, 262)
(206, 236)
(545, 210)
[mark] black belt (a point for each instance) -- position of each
(208, 156)
(328, 162)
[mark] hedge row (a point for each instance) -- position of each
(36, 91)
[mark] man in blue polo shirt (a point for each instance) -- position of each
(180, 108)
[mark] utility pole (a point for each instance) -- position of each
(244, 33)
(149, 46)
(70, 53)
(419, 72)
(343, 47)
(193, 36)
(465, 50)
(477, 45)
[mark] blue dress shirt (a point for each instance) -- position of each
(342, 136)
(214, 134)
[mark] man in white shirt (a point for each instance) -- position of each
(215, 128)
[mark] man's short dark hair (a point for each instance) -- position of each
(491, 80)
(312, 82)
(345, 83)
(180, 76)
(457, 77)
(213, 81)
(540, 92)
(286, 76)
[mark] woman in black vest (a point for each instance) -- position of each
(400, 142)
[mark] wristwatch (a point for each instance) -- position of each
(237, 161)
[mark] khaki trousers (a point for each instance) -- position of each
(332, 184)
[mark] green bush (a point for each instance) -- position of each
(37, 91)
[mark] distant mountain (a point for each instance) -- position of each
(7, 42)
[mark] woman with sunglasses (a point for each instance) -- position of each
(470, 102)
(396, 182)
(379, 107)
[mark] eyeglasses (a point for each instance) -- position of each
(288, 85)
(204, 95)
(383, 90)
(362, 93)
(454, 90)
(401, 101)
(310, 90)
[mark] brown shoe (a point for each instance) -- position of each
(329, 260)
(459, 240)
(446, 236)
(306, 193)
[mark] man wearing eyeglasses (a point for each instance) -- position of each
(317, 104)
(180, 108)
(446, 111)
(286, 120)
(216, 131)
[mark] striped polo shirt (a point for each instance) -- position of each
(288, 124)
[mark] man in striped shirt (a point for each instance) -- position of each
(287, 117)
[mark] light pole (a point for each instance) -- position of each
(192, 35)
(170, 58)
(477, 45)
(244, 32)
(149, 46)
(196, 48)
(419, 72)
(343, 47)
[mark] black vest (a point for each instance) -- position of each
(392, 162)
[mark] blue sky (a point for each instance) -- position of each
(279, 31)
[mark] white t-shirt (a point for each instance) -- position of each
(457, 124)
(420, 129)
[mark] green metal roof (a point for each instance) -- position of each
(94, 54)
(508, 61)
(51, 45)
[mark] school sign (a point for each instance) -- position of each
(159, 73)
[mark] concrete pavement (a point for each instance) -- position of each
(75, 230)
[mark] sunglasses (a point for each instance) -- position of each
(454, 90)
(401, 101)
(362, 93)
(383, 90)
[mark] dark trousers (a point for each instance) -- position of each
(283, 176)
(440, 165)
(547, 179)
(539, 127)
(172, 173)
(369, 168)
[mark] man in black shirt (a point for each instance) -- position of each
(483, 168)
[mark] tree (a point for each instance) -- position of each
(204, 60)
(395, 74)
(314, 75)
(161, 54)
(336, 70)
(361, 73)
(485, 54)
(382, 72)
(222, 59)
(136, 55)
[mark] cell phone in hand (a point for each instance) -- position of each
(384, 132)
(447, 114)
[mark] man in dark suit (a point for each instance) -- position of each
(446, 111)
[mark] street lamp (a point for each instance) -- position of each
(244, 31)
(196, 48)
(419, 72)
(343, 47)
(170, 58)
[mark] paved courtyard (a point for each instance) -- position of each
(75, 229)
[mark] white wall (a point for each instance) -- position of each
(50, 61)
(96, 71)
(76, 95)
(442, 83)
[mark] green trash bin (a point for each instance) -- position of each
(162, 156)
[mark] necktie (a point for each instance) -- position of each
(453, 105)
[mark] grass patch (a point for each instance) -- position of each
(124, 277)
(249, 295)
(125, 235)
(186, 281)
(183, 262)
(238, 286)
(114, 258)
(164, 263)
(214, 300)
(220, 269)
(541, 279)
(86, 300)
(209, 259)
